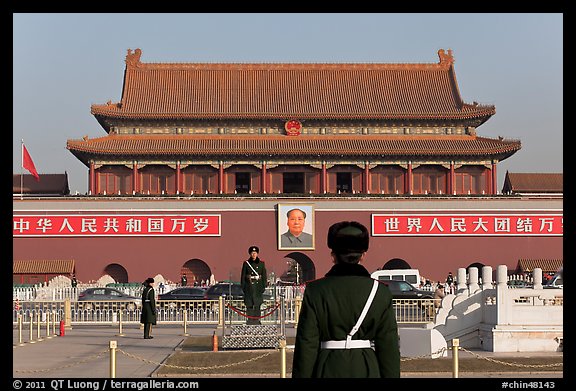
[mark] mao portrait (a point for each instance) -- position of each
(295, 227)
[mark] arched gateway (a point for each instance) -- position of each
(196, 270)
(117, 272)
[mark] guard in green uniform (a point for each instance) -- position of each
(148, 315)
(347, 325)
(253, 281)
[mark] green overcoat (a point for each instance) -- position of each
(253, 289)
(330, 308)
(148, 314)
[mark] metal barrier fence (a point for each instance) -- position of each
(49, 293)
(195, 311)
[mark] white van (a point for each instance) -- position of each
(411, 276)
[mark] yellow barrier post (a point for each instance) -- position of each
(185, 317)
(38, 327)
(20, 330)
(221, 312)
(48, 325)
(113, 346)
(31, 328)
(120, 333)
(67, 314)
(297, 304)
(283, 358)
(53, 322)
(455, 347)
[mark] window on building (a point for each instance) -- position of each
(386, 179)
(114, 180)
(293, 182)
(242, 182)
(470, 180)
(343, 182)
(394, 183)
(429, 180)
(200, 179)
(155, 179)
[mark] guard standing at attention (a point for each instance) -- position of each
(253, 280)
(148, 316)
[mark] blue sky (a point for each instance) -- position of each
(64, 63)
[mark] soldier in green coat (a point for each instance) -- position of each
(148, 315)
(253, 281)
(347, 325)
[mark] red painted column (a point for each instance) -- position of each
(221, 178)
(324, 181)
(263, 185)
(409, 179)
(366, 178)
(178, 178)
(135, 177)
(451, 179)
(494, 179)
(91, 183)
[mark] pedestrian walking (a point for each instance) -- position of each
(450, 283)
(347, 325)
(439, 294)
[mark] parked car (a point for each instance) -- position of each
(107, 294)
(557, 282)
(229, 290)
(185, 293)
(404, 290)
(187, 297)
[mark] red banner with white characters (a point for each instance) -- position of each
(419, 224)
(116, 225)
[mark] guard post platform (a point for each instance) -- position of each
(252, 337)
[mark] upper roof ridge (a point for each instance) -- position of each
(133, 61)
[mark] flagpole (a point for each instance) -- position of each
(22, 169)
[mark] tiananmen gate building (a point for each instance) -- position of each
(202, 160)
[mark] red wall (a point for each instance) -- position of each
(148, 256)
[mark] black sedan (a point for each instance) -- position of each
(105, 294)
(226, 289)
(187, 293)
(185, 297)
(404, 290)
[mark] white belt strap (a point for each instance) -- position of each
(349, 343)
(355, 344)
(255, 272)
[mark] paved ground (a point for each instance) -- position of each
(84, 352)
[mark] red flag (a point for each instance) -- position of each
(28, 164)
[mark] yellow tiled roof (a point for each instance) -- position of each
(47, 266)
(291, 91)
(365, 145)
(547, 265)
